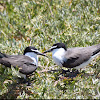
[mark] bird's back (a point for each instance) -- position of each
(24, 63)
(78, 55)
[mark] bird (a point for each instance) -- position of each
(27, 63)
(77, 57)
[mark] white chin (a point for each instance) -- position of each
(57, 61)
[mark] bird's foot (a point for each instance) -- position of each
(70, 74)
(75, 71)
(65, 71)
(24, 81)
(28, 83)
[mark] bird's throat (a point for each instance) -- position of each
(58, 56)
(33, 56)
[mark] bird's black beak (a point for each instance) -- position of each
(39, 53)
(48, 50)
(51, 49)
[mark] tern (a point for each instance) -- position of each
(27, 63)
(77, 57)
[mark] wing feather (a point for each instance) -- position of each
(75, 57)
(26, 65)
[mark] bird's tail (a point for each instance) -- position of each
(97, 49)
(2, 55)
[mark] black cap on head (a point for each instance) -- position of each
(29, 49)
(33, 49)
(56, 46)
(60, 45)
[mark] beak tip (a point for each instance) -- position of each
(45, 55)
(44, 52)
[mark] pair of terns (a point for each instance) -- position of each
(77, 57)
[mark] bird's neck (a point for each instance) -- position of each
(58, 55)
(58, 52)
(33, 56)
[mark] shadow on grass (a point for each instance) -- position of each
(17, 88)
(14, 90)
(64, 81)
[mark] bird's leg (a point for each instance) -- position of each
(28, 81)
(21, 80)
(75, 71)
(25, 80)
(65, 71)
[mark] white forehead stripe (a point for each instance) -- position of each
(35, 50)
(53, 47)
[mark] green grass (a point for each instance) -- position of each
(42, 23)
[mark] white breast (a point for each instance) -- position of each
(58, 55)
(33, 56)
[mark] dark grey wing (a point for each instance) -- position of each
(5, 62)
(95, 49)
(2, 55)
(27, 68)
(17, 60)
(76, 56)
(26, 65)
